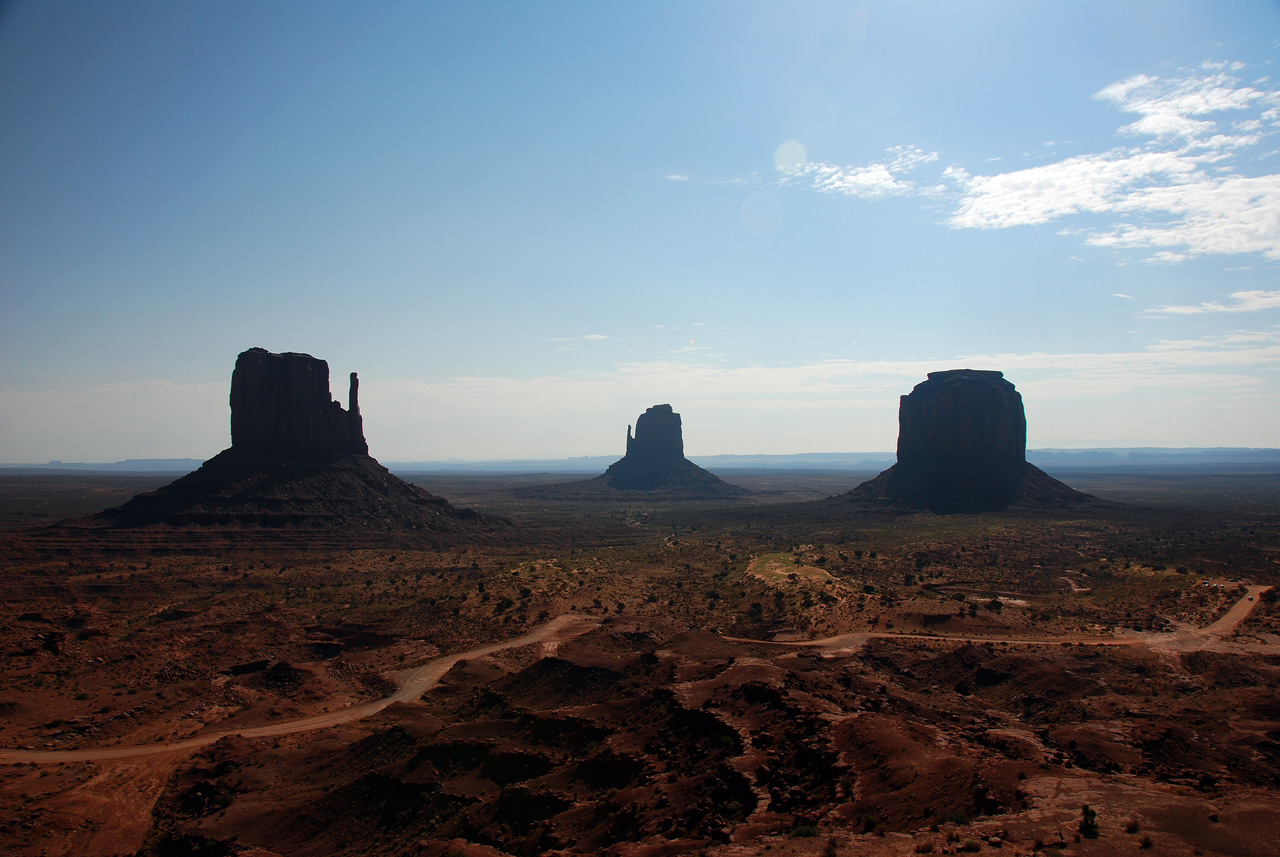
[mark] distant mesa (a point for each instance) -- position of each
(655, 459)
(298, 461)
(962, 447)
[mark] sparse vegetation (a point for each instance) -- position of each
(659, 706)
(1088, 822)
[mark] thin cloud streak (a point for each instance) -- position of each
(1171, 364)
(1249, 301)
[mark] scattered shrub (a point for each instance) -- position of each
(1088, 822)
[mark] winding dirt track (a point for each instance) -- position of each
(415, 682)
(1182, 640)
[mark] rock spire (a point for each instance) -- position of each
(280, 404)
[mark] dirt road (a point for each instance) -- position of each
(1188, 640)
(1237, 614)
(413, 683)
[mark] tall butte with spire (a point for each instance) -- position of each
(280, 407)
(298, 463)
(655, 459)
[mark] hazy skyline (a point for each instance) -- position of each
(523, 224)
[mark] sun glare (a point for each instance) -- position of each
(790, 157)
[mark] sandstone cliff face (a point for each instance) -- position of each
(962, 447)
(658, 434)
(963, 415)
(280, 403)
(655, 459)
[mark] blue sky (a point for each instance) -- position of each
(523, 224)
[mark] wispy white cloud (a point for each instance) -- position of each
(590, 337)
(1087, 183)
(884, 178)
(1236, 214)
(1122, 295)
(1172, 107)
(1250, 301)
(1190, 178)
(1179, 192)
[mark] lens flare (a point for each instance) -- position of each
(790, 157)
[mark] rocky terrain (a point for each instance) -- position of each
(293, 652)
(926, 684)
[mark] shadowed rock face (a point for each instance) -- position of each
(962, 447)
(964, 415)
(658, 434)
(655, 458)
(280, 403)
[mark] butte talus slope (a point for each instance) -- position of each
(655, 460)
(962, 446)
(298, 462)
